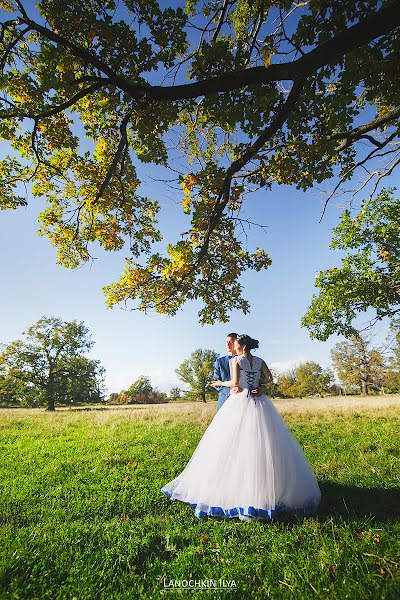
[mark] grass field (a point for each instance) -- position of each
(82, 515)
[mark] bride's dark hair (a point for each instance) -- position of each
(246, 340)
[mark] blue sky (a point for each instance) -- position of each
(129, 343)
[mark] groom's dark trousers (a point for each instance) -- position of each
(222, 372)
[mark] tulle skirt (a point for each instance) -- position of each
(247, 465)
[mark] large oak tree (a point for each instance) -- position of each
(250, 93)
(50, 362)
(358, 364)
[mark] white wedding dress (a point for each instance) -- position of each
(247, 464)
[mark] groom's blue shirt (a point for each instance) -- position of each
(222, 372)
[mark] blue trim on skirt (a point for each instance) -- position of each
(247, 511)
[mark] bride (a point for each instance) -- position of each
(247, 464)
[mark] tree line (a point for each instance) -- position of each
(49, 367)
(361, 369)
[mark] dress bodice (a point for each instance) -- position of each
(249, 374)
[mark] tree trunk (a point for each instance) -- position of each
(50, 396)
(204, 397)
(364, 387)
(50, 404)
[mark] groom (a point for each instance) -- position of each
(221, 369)
(222, 372)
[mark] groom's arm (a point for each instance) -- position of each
(217, 374)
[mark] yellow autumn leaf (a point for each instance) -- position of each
(100, 149)
(266, 55)
(186, 203)
(7, 6)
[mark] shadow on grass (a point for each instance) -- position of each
(350, 501)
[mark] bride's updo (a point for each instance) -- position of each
(246, 340)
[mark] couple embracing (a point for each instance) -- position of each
(247, 464)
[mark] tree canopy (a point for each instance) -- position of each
(142, 385)
(198, 372)
(141, 391)
(247, 94)
(358, 364)
(369, 276)
(306, 379)
(50, 363)
(392, 375)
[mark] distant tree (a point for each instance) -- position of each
(391, 381)
(153, 397)
(287, 384)
(142, 385)
(175, 393)
(48, 357)
(336, 390)
(140, 392)
(197, 372)
(113, 398)
(358, 364)
(370, 272)
(271, 389)
(10, 390)
(119, 398)
(306, 379)
(313, 379)
(351, 389)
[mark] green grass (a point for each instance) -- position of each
(82, 515)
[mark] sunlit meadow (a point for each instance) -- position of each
(82, 515)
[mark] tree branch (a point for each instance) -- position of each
(21, 8)
(360, 163)
(221, 19)
(54, 110)
(123, 142)
(385, 174)
(239, 163)
(223, 197)
(355, 134)
(373, 26)
(353, 37)
(11, 46)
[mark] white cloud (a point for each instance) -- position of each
(284, 365)
(164, 379)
